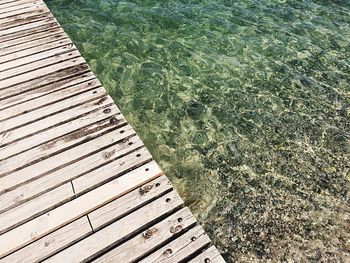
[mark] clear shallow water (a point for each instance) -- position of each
(245, 104)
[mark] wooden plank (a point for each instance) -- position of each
(58, 145)
(28, 210)
(181, 248)
(6, 1)
(67, 60)
(42, 42)
(6, 46)
(28, 32)
(60, 117)
(137, 221)
(15, 3)
(51, 137)
(154, 237)
(131, 201)
(82, 167)
(58, 217)
(210, 255)
(15, 72)
(56, 47)
(23, 19)
(22, 10)
(111, 170)
(20, 28)
(6, 9)
(67, 235)
(46, 166)
(13, 129)
(52, 243)
(19, 6)
(72, 171)
(54, 109)
(43, 85)
(48, 99)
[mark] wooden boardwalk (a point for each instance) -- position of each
(76, 182)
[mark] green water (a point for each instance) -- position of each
(246, 106)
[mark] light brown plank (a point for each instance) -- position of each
(67, 235)
(58, 217)
(181, 248)
(155, 236)
(82, 167)
(42, 44)
(25, 41)
(23, 19)
(25, 27)
(131, 201)
(26, 211)
(21, 10)
(20, 70)
(210, 255)
(45, 84)
(95, 116)
(28, 32)
(51, 148)
(38, 170)
(95, 244)
(54, 109)
(15, 3)
(52, 243)
(21, 5)
(66, 60)
(30, 55)
(111, 170)
(48, 99)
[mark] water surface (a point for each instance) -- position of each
(245, 104)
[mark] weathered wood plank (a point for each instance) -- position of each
(72, 171)
(29, 32)
(66, 60)
(25, 41)
(15, 3)
(95, 116)
(6, 8)
(22, 10)
(48, 99)
(38, 170)
(45, 84)
(67, 235)
(54, 109)
(181, 248)
(36, 45)
(22, 19)
(111, 170)
(133, 200)
(58, 217)
(210, 255)
(135, 222)
(20, 28)
(20, 70)
(49, 149)
(154, 237)
(52, 243)
(28, 210)
(26, 56)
